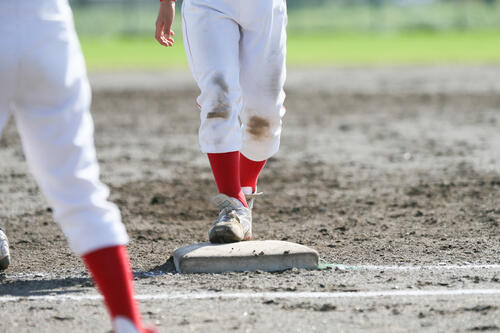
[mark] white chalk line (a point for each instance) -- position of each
(266, 295)
(410, 268)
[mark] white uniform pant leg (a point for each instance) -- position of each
(56, 129)
(211, 38)
(262, 76)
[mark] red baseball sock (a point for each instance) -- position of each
(249, 172)
(112, 273)
(226, 170)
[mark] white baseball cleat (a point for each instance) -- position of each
(4, 251)
(234, 223)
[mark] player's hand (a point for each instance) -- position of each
(164, 21)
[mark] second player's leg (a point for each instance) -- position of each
(56, 129)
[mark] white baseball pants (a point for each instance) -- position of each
(236, 52)
(43, 82)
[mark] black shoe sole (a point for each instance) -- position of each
(223, 234)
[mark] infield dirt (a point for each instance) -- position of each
(387, 166)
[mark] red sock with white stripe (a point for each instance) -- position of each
(110, 268)
(249, 172)
(226, 170)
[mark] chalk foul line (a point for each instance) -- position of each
(405, 268)
(267, 295)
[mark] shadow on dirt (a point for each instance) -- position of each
(57, 286)
(167, 267)
(70, 285)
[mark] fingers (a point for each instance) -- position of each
(159, 32)
(166, 35)
(164, 31)
(162, 37)
(166, 16)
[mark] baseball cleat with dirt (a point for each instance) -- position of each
(4, 251)
(234, 222)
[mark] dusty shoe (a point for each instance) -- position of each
(4, 251)
(234, 223)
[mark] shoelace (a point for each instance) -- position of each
(253, 195)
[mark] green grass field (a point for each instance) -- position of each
(119, 36)
(313, 49)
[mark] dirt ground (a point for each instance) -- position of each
(381, 166)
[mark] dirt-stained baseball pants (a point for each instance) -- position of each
(43, 83)
(236, 52)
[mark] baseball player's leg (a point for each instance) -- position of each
(211, 37)
(262, 58)
(211, 40)
(262, 76)
(57, 133)
(249, 174)
(56, 129)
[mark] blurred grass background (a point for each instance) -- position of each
(119, 34)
